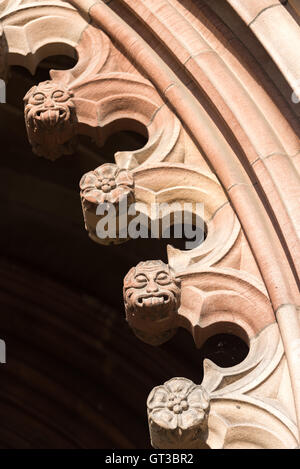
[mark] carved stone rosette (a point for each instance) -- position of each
(232, 144)
(177, 414)
(107, 192)
(50, 119)
(152, 299)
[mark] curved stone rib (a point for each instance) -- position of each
(243, 196)
(277, 41)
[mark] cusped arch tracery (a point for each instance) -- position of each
(226, 110)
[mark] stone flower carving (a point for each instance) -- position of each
(108, 184)
(152, 298)
(50, 119)
(177, 413)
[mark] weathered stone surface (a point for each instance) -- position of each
(177, 413)
(219, 133)
(152, 299)
(107, 188)
(50, 118)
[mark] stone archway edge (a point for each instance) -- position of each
(259, 16)
(264, 241)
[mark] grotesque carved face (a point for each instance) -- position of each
(50, 117)
(48, 105)
(152, 297)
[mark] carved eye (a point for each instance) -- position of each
(141, 278)
(59, 95)
(39, 97)
(163, 277)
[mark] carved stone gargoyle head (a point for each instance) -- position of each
(152, 299)
(50, 119)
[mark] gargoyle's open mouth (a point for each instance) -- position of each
(153, 300)
(51, 116)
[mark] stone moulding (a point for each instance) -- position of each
(161, 183)
(259, 18)
(165, 183)
(219, 133)
(241, 410)
(234, 177)
(202, 421)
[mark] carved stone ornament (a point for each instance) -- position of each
(108, 187)
(50, 119)
(152, 299)
(219, 133)
(177, 411)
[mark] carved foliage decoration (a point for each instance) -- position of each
(108, 187)
(213, 288)
(178, 410)
(215, 296)
(108, 183)
(246, 407)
